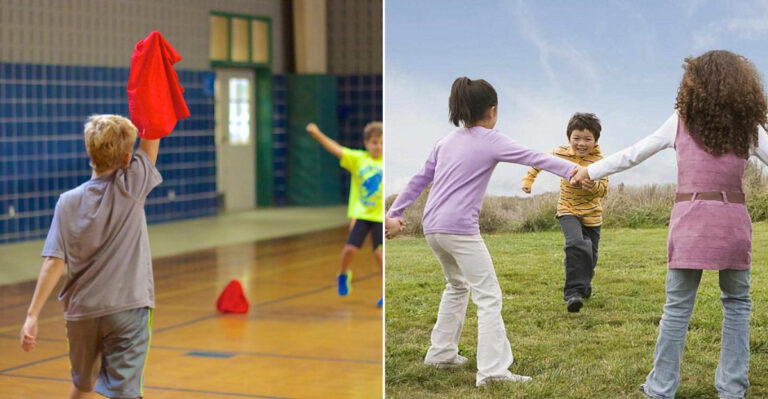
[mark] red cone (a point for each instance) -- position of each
(232, 299)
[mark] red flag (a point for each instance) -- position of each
(155, 98)
(232, 299)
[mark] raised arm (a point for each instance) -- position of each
(150, 147)
(662, 138)
(415, 186)
(50, 273)
(329, 144)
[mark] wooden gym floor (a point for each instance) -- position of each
(298, 340)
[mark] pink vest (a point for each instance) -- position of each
(713, 235)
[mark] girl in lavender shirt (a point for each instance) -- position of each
(459, 168)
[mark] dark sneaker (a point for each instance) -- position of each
(344, 283)
(575, 303)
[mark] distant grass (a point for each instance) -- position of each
(624, 206)
(603, 352)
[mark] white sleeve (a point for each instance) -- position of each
(761, 151)
(662, 138)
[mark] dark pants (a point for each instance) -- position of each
(580, 256)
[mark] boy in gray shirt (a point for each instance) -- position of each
(99, 231)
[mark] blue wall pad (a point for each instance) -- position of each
(42, 112)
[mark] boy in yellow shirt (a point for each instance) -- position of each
(366, 205)
(578, 209)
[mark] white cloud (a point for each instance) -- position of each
(555, 51)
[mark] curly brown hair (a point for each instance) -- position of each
(721, 101)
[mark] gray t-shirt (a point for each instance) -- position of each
(100, 230)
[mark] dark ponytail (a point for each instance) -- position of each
(470, 100)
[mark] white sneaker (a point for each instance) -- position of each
(456, 362)
(512, 378)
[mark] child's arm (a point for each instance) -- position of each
(662, 138)
(50, 274)
(507, 150)
(529, 178)
(150, 147)
(329, 144)
(414, 187)
(599, 187)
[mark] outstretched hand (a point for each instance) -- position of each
(393, 227)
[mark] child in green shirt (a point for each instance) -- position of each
(365, 194)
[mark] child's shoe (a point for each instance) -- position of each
(456, 362)
(512, 378)
(380, 303)
(345, 281)
(575, 303)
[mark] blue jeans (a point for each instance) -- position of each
(731, 380)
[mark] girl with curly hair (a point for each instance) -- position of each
(720, 120)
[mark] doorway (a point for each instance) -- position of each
(235, 139)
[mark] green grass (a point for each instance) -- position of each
(604, 351)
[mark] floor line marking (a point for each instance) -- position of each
(158, 388)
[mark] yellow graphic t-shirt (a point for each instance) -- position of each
(365, 188)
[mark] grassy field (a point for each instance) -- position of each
(604, 351)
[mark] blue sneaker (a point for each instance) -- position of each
(380, 303)
(344, 283)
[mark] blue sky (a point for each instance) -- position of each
(548, 59)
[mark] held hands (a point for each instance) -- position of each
(393, 227)
(580, 177)
(28, 334)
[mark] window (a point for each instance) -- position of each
(240, 40)
(239, 111)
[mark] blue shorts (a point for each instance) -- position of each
(361, 229)
(112, 349)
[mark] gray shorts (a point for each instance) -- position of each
(112, 348)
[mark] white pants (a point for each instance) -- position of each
(467, 265)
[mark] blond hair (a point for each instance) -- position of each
(373, 129)
(107, 139)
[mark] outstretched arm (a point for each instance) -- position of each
(329, 144)
(150, 147)
(415, 186)
(507, 150)
(662, 138)
(50, 274)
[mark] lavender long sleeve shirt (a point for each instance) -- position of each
(461, 165)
